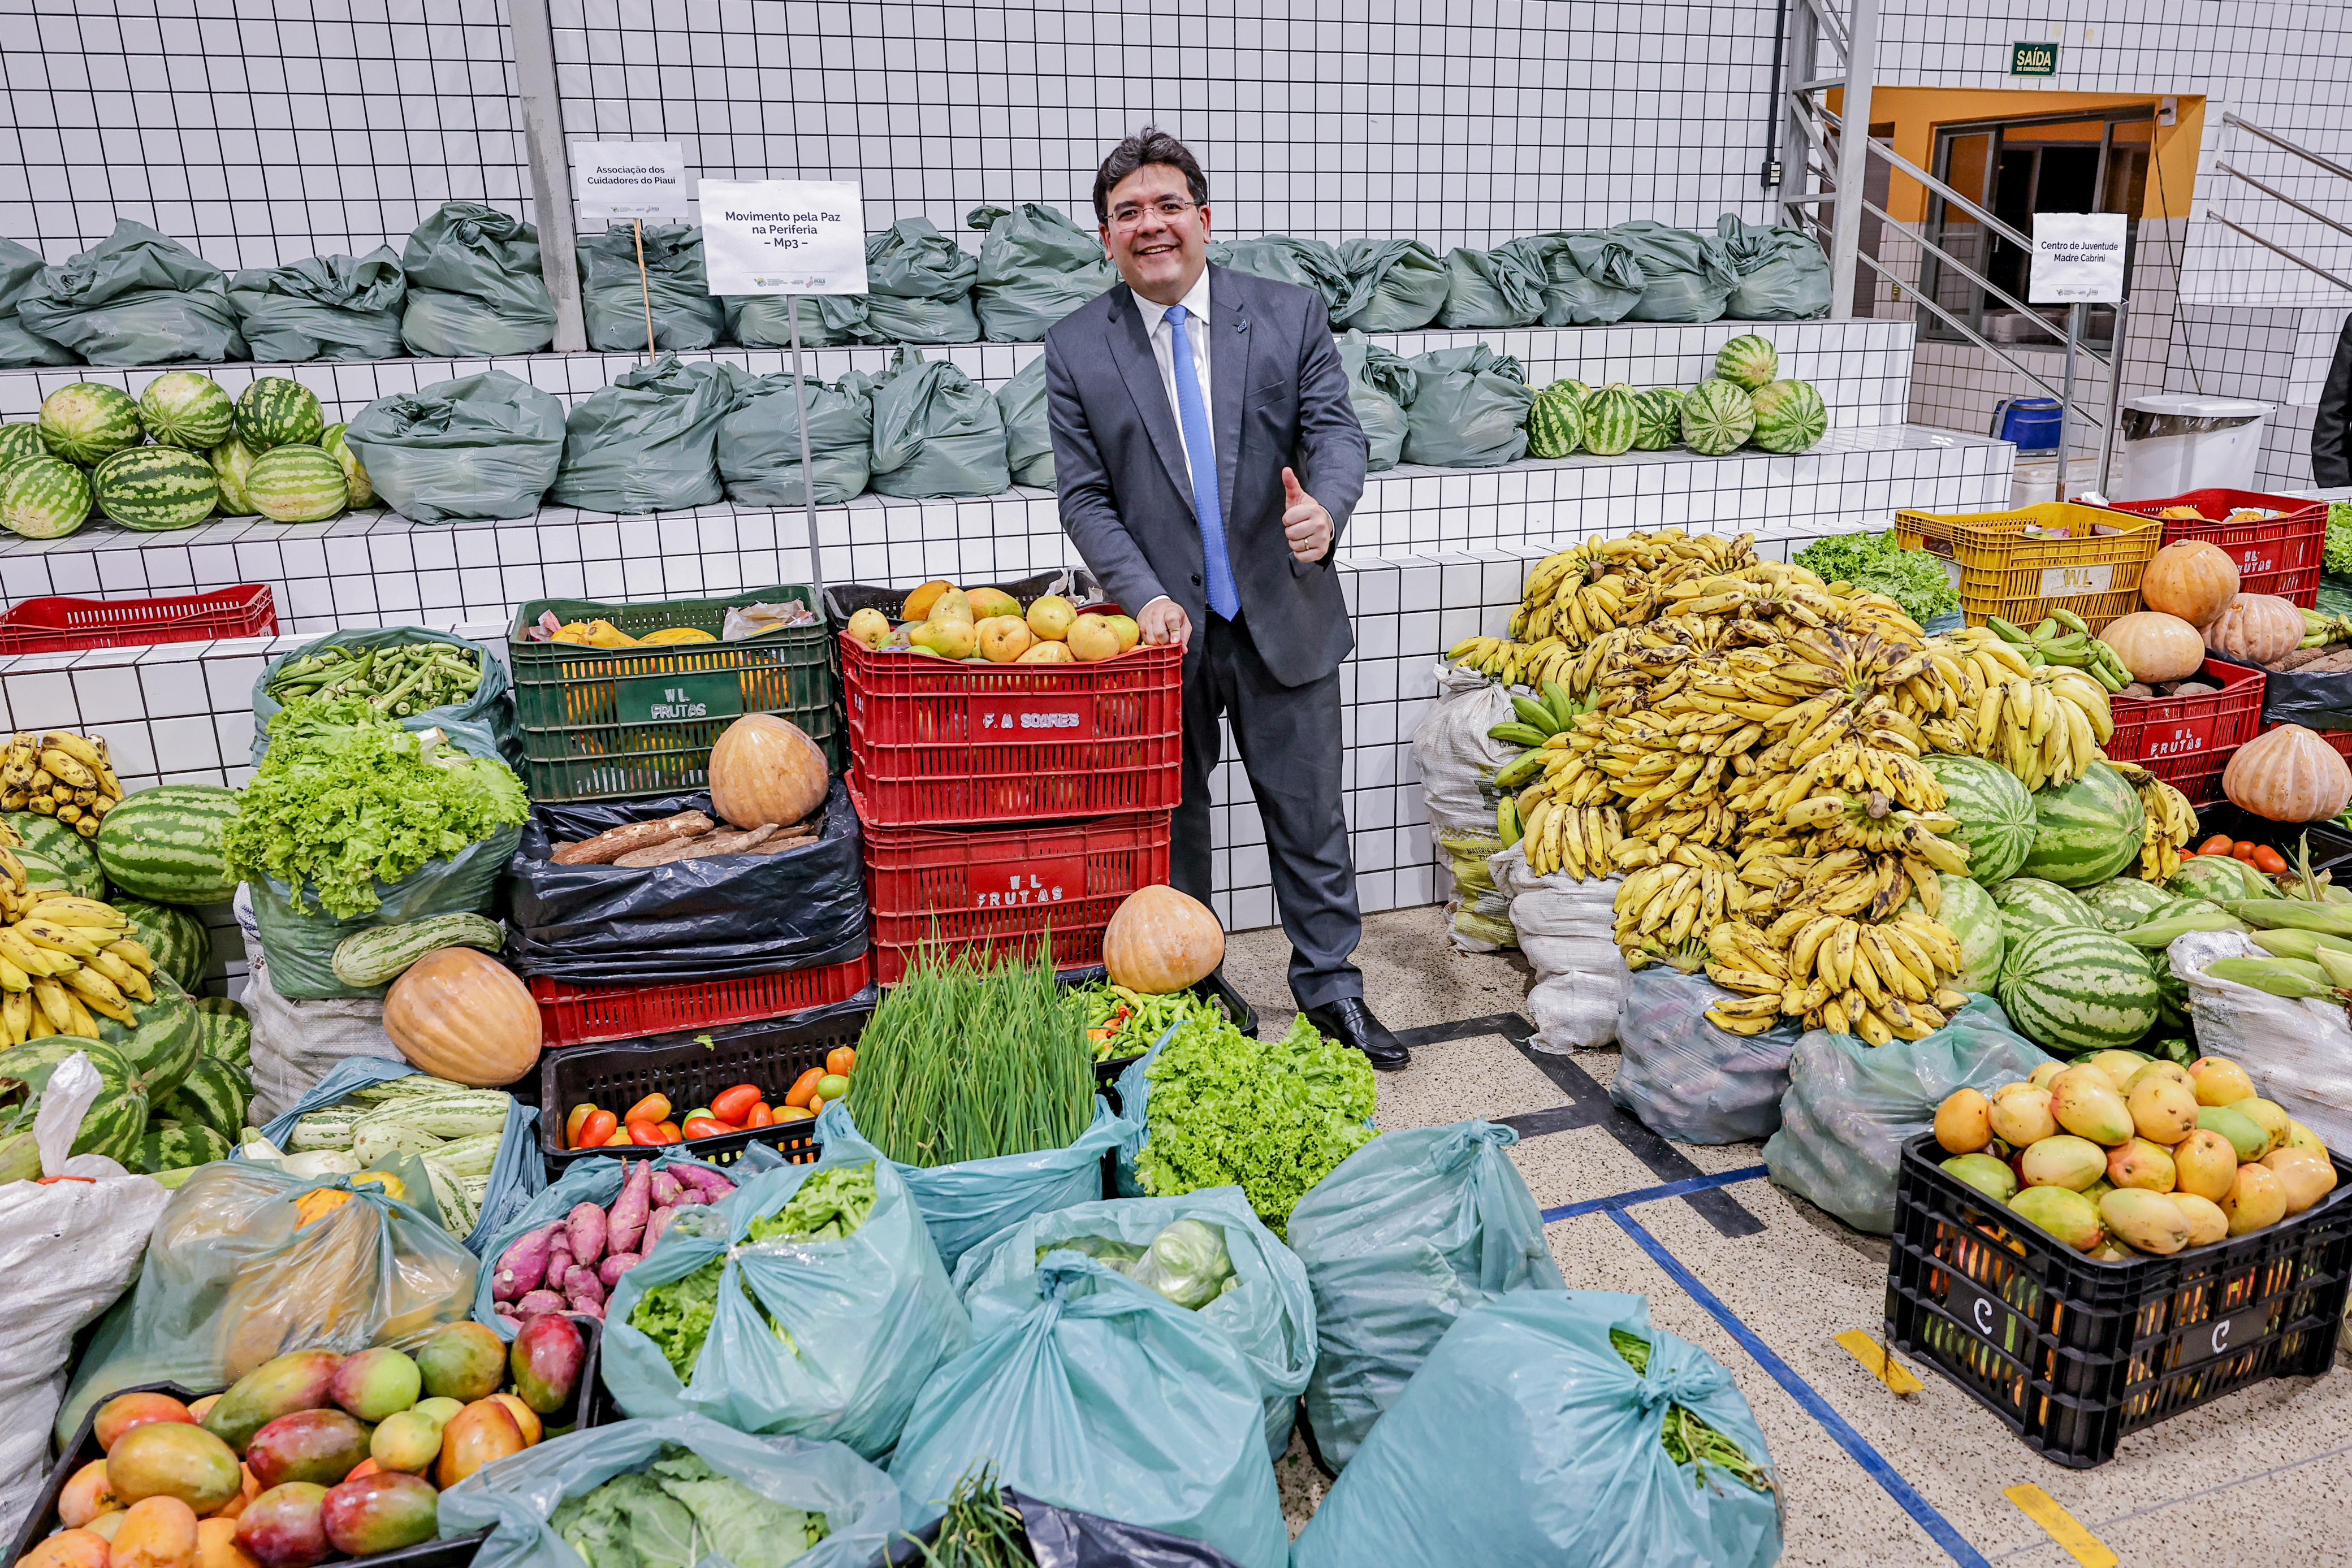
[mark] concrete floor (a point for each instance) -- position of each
(2252, 1478)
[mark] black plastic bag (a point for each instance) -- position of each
(2322, 701)
(479, 446)
(760, 443)
(689, 920)
(323, 307)
(1500, 287)
(1686, 276)
(649, 443)
(475, 287)
(1783, 274)
(1590, 280)
(1393, 285)
(1308, 263)
(936, 433)
(1064, 1538)
(827, 320)
(918, 286)
(1028, 440)
(1469, 408)
(20, 347)
(1380, 384)
(139, 299)
(613, 296)
(1036, 267)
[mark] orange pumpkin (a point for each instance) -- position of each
(2192, 578)
(765, 769)
(2288, 774)
(462, 1015)
(1160, 940)
(2155, 646)
(2255, 629)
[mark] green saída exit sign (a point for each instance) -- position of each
(2033, 59)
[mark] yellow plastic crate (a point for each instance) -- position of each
(2021, 563)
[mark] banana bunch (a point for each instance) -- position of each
(65, 960)
(2171, 821)
(2324, 631)
(1515, 663)
(2043, 723)
(1592, 588)
(1884, 982)
(1581, 840)
(1695, 889)
(62, 775)
(2064, 639)
(1534, 721)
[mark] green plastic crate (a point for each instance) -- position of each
(605, 724)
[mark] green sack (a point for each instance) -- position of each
(517, 1496)
(1028, 437)
(1469, 408)
(759, 449)
(1036, 267)
(1590, 280)
(475, 288)
(936, 433)
(613, 297)
(1269, 1312)
(138, 298)
(1685, 276)
(1487, 289)
(323, 307)
(1380, 384)
(649, 443)
(1528, 1438)
(489, 709)
(1783, 275)
(918, 286)
(1303, 263)
(1412, 1231)
(479, 446)
(1393, 285)
(20, 347)
(1108, 1399)
(765, 320)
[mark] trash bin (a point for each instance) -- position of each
(2179, 442)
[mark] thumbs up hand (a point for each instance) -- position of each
(1304, 520)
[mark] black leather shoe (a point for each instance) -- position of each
(1350, 1022)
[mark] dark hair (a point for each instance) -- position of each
(1149, 145)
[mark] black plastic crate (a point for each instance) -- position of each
(2074, 1353)
(2331, 846)
(682, 1066)
(1214, 989)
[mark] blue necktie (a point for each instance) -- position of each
(1201, 447)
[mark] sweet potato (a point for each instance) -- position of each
(522, 1265)
(655, 1223)
(713, 1186)
(586, 1224)
(690, 1198)
(702, 848)
(613, 843)
(582, 1285)
(538, 1303)
(626, 1222)
(615, 1265)
(589, 1310)
(666, 1185)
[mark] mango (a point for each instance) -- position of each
(2304, 1178)
(2172, 1071)
(237, 1505)
(2099, 1188)
(526, 1419)
(1046, 653)
(482, 1433)
(2067, 1215)
(870, 627)
(2041, 1075)
(281, 1528)
(1964, 1122)
(2270, 1117)
(108, 1524)
(1129, 633)
(174, 1459)
(545, 1359)
(2020, 1116)
(216, 1545)
(2299, 1136)
(406, 1441)
(319, 1446)
(917, 605)
(990, 603)
(203, 1408)
(2110, 1251)
(86, 1496)
(1050, 617)
(2163, 1111)
(1987, 1175)
(1092, 640)
(2255, 1199)
(2065, 1161)
(2085, 1103)
(441, 1408)
(375, 1383)
(124, 1411)
(2219, 1083)
(157, 1533)
(462, 1361)
(299, 1380)
(948, 639)
(2144, 1221)
(2204, 1163)
(378, 1513)
(2141, 1164)
(2116, 1066)
(1004, 638)
(2207, 1223)
(953, 605)
(67, 1549)
(2249, 1140)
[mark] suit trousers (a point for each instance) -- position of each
(1290, 744)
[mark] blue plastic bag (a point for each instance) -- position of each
(1412, 1231)
(870, 1317)
(515, 1497)
(966, 1203)
(1110, 1399)
(516, 1178)
(1527, 1439)
(1269, 1312)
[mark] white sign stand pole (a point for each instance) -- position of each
(645, 285)
(2066, 397)
(808, 478)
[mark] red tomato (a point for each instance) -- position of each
(652, 1108)
(804, 1087)
(734, 1104)
(761, 1117)
(841, 1061)
(596, 1129)
(2244, 851)
(646, 1134)
(669, 1133)
(2269, 860)
(2219, 844)
(706, 1128)
(572, 1123)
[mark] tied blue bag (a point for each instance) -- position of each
(1527, 1439)
(1269, 1312)
(1110, 1399)
(869, 1317)
(1412, 1231)
(966, 1203)
(515, 1497)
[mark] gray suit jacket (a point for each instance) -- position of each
(1277, 396)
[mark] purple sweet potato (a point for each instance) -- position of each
(523, 1265)
(666, 1187)
(655, 1223)
(538, 1304)
(589, 1310)
(586, 1224)
(710, 1183)
(582, 1285)
(691, 1198)
(626, 1222)
(615, 1265)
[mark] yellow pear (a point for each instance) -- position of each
(1050, 617)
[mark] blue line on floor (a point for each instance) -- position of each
(1939, 1528)
(1652, 1194)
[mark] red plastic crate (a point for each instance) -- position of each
(584, 1014)
(2196, 774)
(933, 741)
(2177, 736)
(2278, 555)
(972, 886)
(68, 625)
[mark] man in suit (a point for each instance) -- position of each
(1207, 457)
(2331, 431)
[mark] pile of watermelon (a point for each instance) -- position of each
(174, 456)
(1744, 403)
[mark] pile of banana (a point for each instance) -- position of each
(2064, 640)
(63, 960)
(62, 775)
(2171, 821)
(1883, 982)
(2045, 723)
(2324, 631)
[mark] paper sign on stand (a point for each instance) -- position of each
(632, 179)
(2078, 260)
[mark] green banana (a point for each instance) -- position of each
(1521, 735)
(1564, 707)
(1520, 769)
(1507, 822)
(1534, 715)
(2068, 619)
(2006, 631)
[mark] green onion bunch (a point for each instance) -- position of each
(1687, 1439)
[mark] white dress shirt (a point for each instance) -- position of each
(1163, 349)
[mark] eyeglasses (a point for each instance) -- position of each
(1127, 214)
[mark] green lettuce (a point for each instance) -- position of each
(678, 1512)
(1878, 564)
(2336, 558)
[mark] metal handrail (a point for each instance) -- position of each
(2282, 250)
(1978, 279)
(2275, 140)
(2312, 213)
(1897, 161)
(1973, 336)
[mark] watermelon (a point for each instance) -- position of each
(1968, 912)
(1555, 419)
(2216, 878)
(214, 1095)
(1657, 419)
(2086, 832)
(2071, 990)
(1718, 418)
(64, 848)
(174, 938)
(1789, 416)
(1747, 362)
(227, 1031)
(1611, 420)
(154, 489)
(89, 422)
(1995, 814)
(187, 409)
(171, 1145)
(296, 484)
(2125, 902)
(19, 442)
(43, 875)
(116, 1119)
(231, 460)
(2029, 905)
(165, 1042)
(275, 411)
(165, 843)
(43, 498)
(360, 490)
